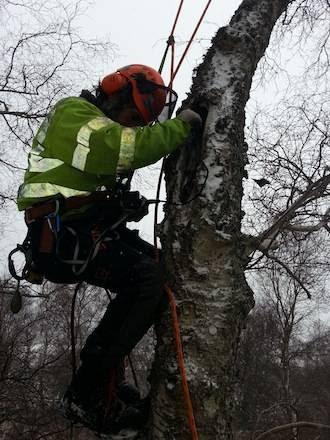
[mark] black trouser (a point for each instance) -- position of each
(124, 264)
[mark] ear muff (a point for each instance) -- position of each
(113, 83)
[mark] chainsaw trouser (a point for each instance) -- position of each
(125, 265)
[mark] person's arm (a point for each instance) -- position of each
(102, 147)
(153, 143)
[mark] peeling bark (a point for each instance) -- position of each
(201, 239)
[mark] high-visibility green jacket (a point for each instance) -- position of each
(78, 150)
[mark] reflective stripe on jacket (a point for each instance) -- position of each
(78, 150)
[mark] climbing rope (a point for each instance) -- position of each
(180, 356)
(171, 40)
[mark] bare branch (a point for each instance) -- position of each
(26, 295)
(310, 228)
(24, 115)
(314, 191)
(311, 425)
(10, 165)
(289, 271)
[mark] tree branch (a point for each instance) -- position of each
(311, 228)
(289, 271)
(311, 425)
(312, 192)
(26, 295)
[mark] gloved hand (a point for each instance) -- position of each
(139, 213)
(135, 205)
(191, 117)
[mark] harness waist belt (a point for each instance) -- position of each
(62, 204)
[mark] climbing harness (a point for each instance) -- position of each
(48, 217)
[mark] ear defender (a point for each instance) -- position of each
(114, 82)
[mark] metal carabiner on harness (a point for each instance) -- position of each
(16, 301)
(11, 266)
(57, 219)
(27, 272)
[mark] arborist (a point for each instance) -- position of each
(77, 201)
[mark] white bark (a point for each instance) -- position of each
(201, 239)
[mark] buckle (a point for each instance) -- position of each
(28, 216)
(48, 209)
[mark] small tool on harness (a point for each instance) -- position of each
(16, 301)
(28, 272)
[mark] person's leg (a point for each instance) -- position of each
(130, 315)
(137, 280)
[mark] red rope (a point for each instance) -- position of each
(180, 356)
(176, 18)
(189, 42)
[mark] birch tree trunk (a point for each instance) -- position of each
(202, 244)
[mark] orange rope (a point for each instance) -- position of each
(180, 356)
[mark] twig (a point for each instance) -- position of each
(311, 228)
(27, 295)
(289, 271)
(292, 425)
(310, 193)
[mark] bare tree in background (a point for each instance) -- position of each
(36, 358)
(44, 58)
(291, 309)
(260, 402)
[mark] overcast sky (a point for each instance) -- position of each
(140, 29)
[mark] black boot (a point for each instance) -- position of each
(91, 397)
(128, 393)
(133, 417)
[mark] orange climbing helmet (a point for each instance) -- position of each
(147, 88)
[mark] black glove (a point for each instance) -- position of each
(191, 117)
(135, 206)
